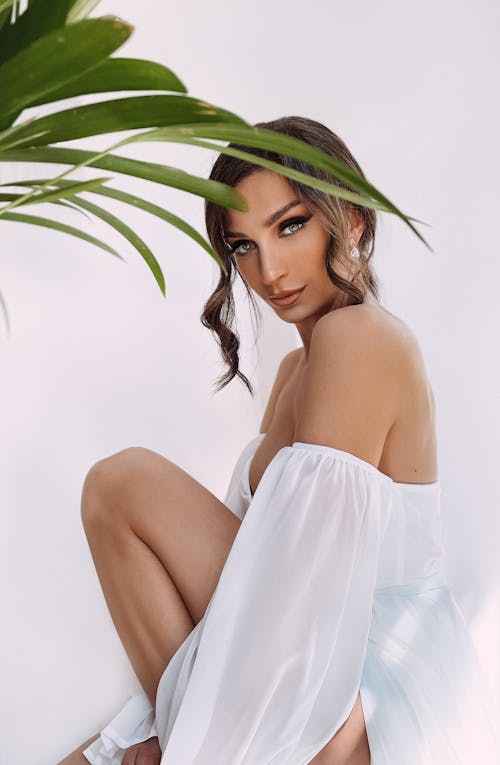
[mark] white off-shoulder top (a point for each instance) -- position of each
(334, 586)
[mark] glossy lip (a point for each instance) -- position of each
(288, 298)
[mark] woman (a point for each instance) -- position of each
(305, 619)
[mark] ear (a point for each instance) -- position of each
(357, 224)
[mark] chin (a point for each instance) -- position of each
(293, 316)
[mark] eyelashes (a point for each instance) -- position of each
(302, 220)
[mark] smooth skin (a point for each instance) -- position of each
(159, 539)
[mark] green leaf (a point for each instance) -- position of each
(4, 17)
(10, 135)
(121, 114)
(9, 131)
(143, 204)
(58, 226)
(8, 119)
(129, 234)
(5, 12)
(117, 74)
(57, 58)
(220, 193)
(6, 5)
(65, 203)
(49, 196)
(81, 9)
(314, 182)
(9, 197)
(286, 145)
(40, 18)
(243, 135)
(165, 215)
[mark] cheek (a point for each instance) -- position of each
(247, 270)
(322, 243)
(313, 254)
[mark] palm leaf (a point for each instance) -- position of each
(51, 52)
(64, 203)
(219, 193)
(68, 191)
(290, 146)
(142, 204)
(245, 135)
(117, 74)
(135, 240)
(36, 220)
(5, 11)
(57, 58)
(38, 19)
(117, 115)
(6, 5)
(81, 9)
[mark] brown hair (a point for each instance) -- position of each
(218, 313)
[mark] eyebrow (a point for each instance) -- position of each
(269, 220)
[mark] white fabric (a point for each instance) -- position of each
(135, 722)
(334, 585)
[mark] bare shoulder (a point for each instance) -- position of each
(290, 360)
(286, 368)
(386, 330)
(372, 329)
(359, 357)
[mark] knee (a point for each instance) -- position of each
(106, 482)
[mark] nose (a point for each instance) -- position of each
(273, 266)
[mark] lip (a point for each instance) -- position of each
(288, 297)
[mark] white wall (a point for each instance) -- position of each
(97, 360)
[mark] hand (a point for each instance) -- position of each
(144, 753)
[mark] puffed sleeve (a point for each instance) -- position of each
(281, 647)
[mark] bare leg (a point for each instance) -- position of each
(76, 757)
(145, 607)
(131, 504)
(159, 540)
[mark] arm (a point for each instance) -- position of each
(285, 369)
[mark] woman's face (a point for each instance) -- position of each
(280, 245)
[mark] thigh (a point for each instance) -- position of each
(189, 529)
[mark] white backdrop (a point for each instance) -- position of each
(98, 360)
